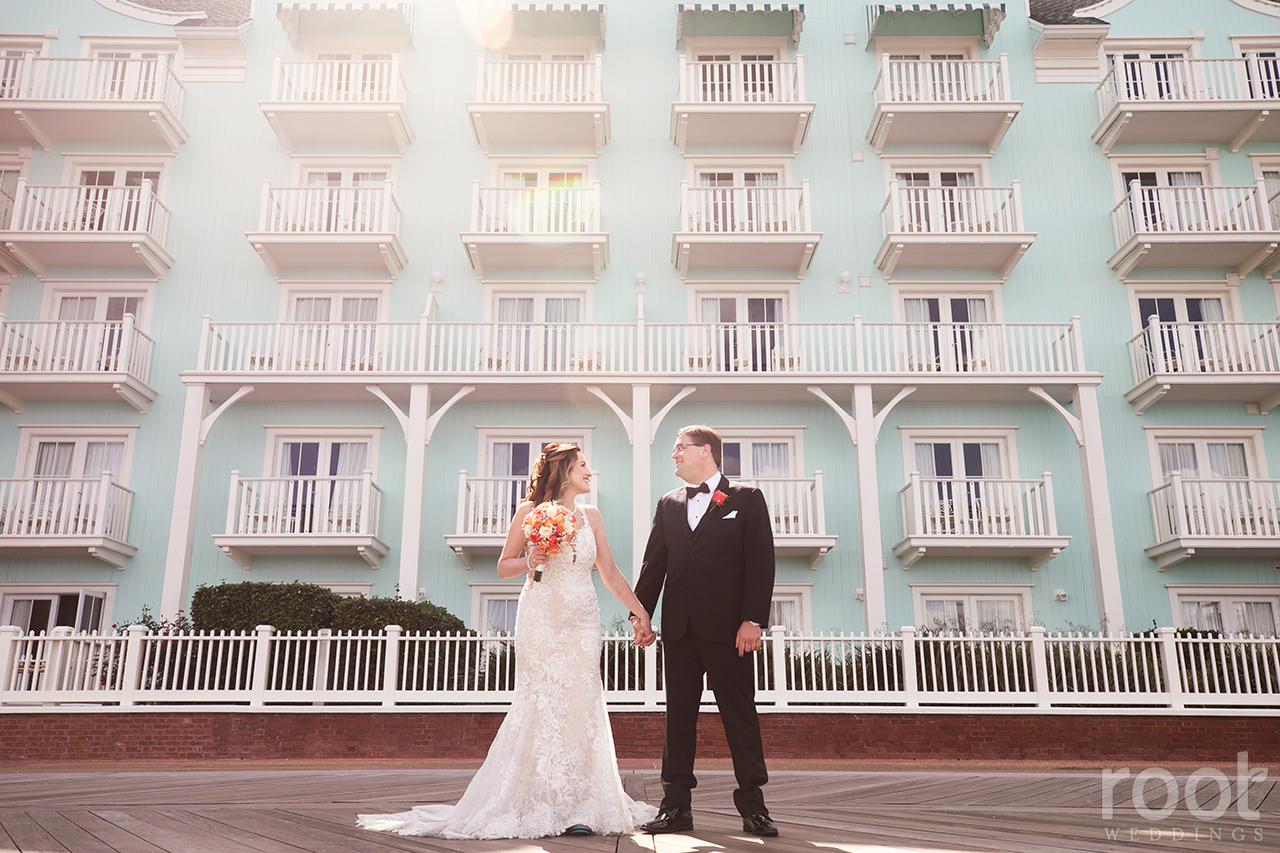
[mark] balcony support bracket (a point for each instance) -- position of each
(909, 555)
(849, 421)
(994, 142)
(880, 132)
(434, 420)
(1012, 262)
(245, 560)
(1149, 398)
(464, 555)
(816, 558)
(1114, 132)
(111, 556)
(369, 555)
(37, 132)
(878, 421)
(1039, 558)
(1255, 260)
(131, 396)
(28, 260)
(12, 401)
(1165, 559)
(1250, 127)
(210, 419)
(656, 420)
(171, 139)
(1266, 404)
(628, 422)
(1077, 428)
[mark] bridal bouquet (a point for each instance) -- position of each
(549, 526)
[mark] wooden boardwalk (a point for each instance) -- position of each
(313, 811)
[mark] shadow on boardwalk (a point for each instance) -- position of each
(313, 810)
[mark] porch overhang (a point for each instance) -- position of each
(110, 551)
(1232, 122)
(788, 252)
(795, 10)
(575, 255)
(579, 126)
(1239, 251)
(243, 548)
(40, 251)
(1000, 252)
(379, 253)
(811, 548)
(381, 124)
(782, 124)
(1036, 550)
(942, 123)
(1260, 389)
(1174, 551)
(18, 387)
(51, 122)
(993, 14)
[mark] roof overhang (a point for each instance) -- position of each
(993, 13)
(302, 18)
(557, 9)
(796, 10)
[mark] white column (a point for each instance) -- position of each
(642, 505)
(1097, 503)
(414, 485)
(869, 510)
(186, 499)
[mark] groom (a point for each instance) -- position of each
(710, 554)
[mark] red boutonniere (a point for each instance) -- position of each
(719, 497)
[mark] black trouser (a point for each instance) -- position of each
(732, 681)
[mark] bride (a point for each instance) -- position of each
(551, 768)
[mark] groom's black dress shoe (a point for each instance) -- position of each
(578, 829)
(670, 820)
(759, 824)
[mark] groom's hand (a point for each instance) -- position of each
(748, 638)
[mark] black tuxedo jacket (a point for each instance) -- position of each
(712, 578)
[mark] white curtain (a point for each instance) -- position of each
(785, 612)
(53, 458)
(76, 309)
(311, 309)
(350, 458)
(500, 615)
(770, 459)
(992, 459)
(103, 456)
(1228, 460)
(1256, 618)
(994, 615)
(944, 614)
(1178, 459)
(1201, 615)
(925, 460)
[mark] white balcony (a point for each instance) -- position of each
(1231, 101)
(978, 517)
(55, 517)
(1194, 227)
(1213, 362)
(542, 228)
(1220, 518)
(744, 228)
(75, 361)
(486, 506)
(339, 102)
(303, 517)
(319, 228)
(741, 103)
(976, 228)
(552, 104)
(942, 102)
(87, 227)
(797, 515)
(56, 101)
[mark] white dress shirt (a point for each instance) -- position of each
(697, 505)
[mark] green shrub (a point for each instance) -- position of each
(374, 614)
(238, 607)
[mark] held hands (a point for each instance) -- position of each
(748, 638)
(644, 633)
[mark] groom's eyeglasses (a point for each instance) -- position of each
(680, 448)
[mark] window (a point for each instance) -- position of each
(115, 199)
(1217, 469)
(746, 331)
(60, 472)
(948, 332)
(972, 608)
(80, 452)
(752, 458)
(1160, 73)
(41, 609)
(963, 477)
(1253, 610)
(1167, 199)
(12, 51)
(9, 174)
(1189, 335)
(493, 608)
(319, 475)
(538, 331)
(344, 200)
(734, 72)
(334, 331)
(1204, 458)
(791, 608)
(507, 465)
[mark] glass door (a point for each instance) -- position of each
(1198, 340)
(965, 493)
(948, 333)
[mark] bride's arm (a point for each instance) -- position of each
(609, 573)
(513, 561)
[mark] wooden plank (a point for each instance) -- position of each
(27, 834)
(108, 833)
(69, 834)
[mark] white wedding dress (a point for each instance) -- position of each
(552, 764)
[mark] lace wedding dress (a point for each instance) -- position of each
(552, 764)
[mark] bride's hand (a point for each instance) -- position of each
(536, 557)
(644, 633)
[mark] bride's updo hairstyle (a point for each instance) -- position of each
(551, 472)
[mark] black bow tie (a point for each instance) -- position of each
(690, 491)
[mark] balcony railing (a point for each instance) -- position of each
(59, 347)
(964, 507)
(34, 78)
(45, 507)
(705, 349)
(768, 82)
(89, 210)
(1227, 211)
(942, 81)
(339, 81)
(486, 505)
(1236, 508)
(1203, 349)
(745, 210)
(535, 210)
(1162, 669)
(1183, 80)
(952, 211)
(538, 82)
(329, 210)
(303, 506)
(796, 504)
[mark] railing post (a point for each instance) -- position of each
(895, 217)
(391, 665)
(463, 515)
(1049, 510)
(475, 206)
(388, 208)
(683, 83)
(206, 331)
(800, 77)
(128, 329)
(887, 84)
(1018, 224)
(261, 665)
(1077, 342)
(233, 500)
(8, 639)
(365, 509)
(131, 666)
(19, 197)
(859, 358)
(1006, 86)
(915, 496)
(1179, 526)
(819, 503)
(481, 93)
(320, 673)
(266, 203)
(650, 659)
(778, 648)
(1172, 668)
(910, 688)
(393, 90)
(277, 78)
(595, 209)
(806, 217)
(100, 511)
(1040, 666)
(597, 83)
(424, 342)
(1264, 209)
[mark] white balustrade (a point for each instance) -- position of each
(1228, 211)
(964, 507)
(341, 347)
(356, 211)
(1205, 348)
(539, 82)
(486, 505)
(502, 348)
(338, 81)
(303, 506)
(111, 346)
(40, 507)
(741, 82)
(952, 211)
(942, 81)
(89, 210)
(745, 210)
(795, 504)
(120, 81)
(1238, 508)
(535, 210)
(1185, 80)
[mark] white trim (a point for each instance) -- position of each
(1005, 434)
(19, 590)
(736, 46)
(542, 164)
(482, 591)
(1252, 437)
(792, 435)
(968, 45)
(1259, 6)
(579, 435)
(978, 163)
(802, 594)
(26, 41)
(546, 46)
(151, 15)
(494, 290)
(30, 436)
(346, 589)
(345, 164)
(1019, 591)
(1221, 591)
(990, 290)
(1240, 45)
(168, 45)
(740, 163)
(1264, 162)
(1226, 290)
(697, 290)
(54, 291)
(276, 434)
(1160, 44)
(75, 163)
(1121, 163)
(289, 291)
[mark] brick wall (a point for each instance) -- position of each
(265, 735)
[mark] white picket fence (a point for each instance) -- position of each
(745, 210)
(535, 210)
(942, 81)
(329, 210)
(1161, 669)
(1184, 80)
(303, 506)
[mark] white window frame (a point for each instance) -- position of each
(901, 291)
(35, 42)
(1189, 45)
(278, 433)
(1005, 435)
(144, 290)
(291, 292)
(1251, 436)
(802, 595)
(779, 46)
(345, 164)
(791, 435)
(526, 290)
(739, 164)
(787, 290)
(1228, 291)
(1162, 163)
(548, 46)
(926, 45)
(11, 591)
(579, 435)
(91, 45)
(1020, 592)
(1223, 593)
(30, 436)
(482, 593)
(586, 163)
(74, 164)
(980, 164)
(313, 46)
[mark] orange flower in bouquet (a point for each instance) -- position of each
(550, 527)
